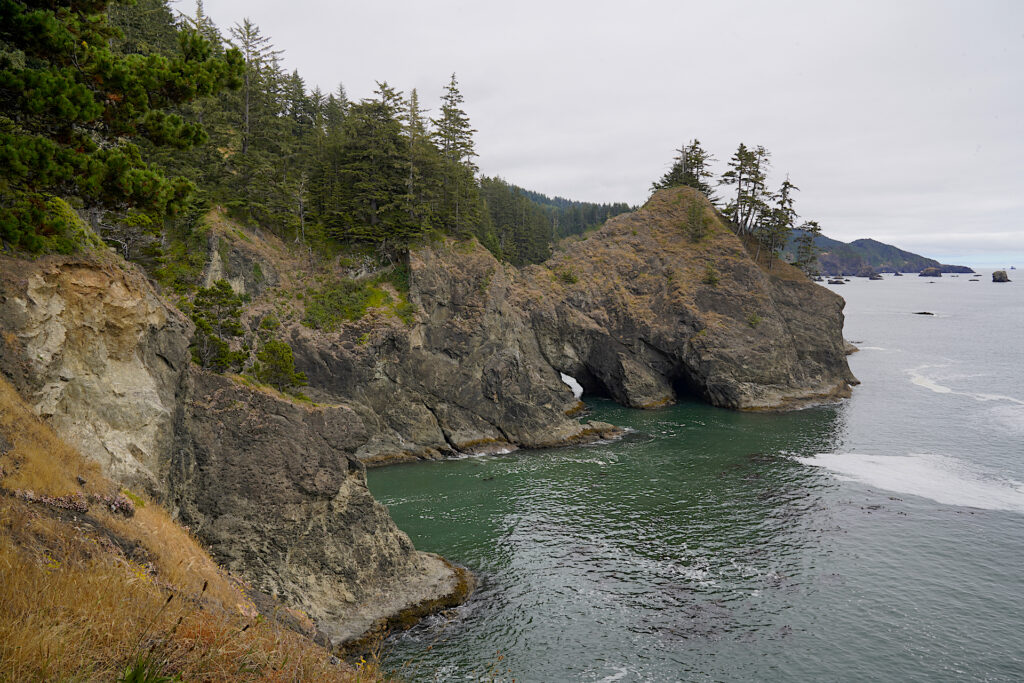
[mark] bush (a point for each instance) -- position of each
(567, 275)
(337, 302)
(696, 222)
(275, 365)
(710, 275)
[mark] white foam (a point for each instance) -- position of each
(871, 348)
(940, 478)
(577, 388)
(928, 383)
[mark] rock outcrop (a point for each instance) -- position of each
(661, 303)
(1000, 276)
(274, 490)
(648, 315)
(270, 486)
(97, 353)
(930, 272)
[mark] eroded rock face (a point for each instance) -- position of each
(100, 356)
(1000, 276)
(652, 314)
(273, 489)
(469, 375)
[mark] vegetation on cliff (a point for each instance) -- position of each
(100, 585)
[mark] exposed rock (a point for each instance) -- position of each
(850, 348)
(1000, 276)
(837, 281)
(99, 355)
(645, 322)
(866, 271)
(930, 272)
(875, 276)
(923, 313)
(897, 274)
(275, 492)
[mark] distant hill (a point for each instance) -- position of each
(851, 258)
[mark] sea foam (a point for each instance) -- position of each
(945, 480)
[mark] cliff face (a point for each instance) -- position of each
(271, 487)
(99, 355)
(649, 314)
(644, 310)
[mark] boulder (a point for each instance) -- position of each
(1000, 276)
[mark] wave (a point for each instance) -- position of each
(940, 478)
(929, 383)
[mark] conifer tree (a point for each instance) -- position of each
(454, 138)
(70, 107)
(690, 169)
(748, 169)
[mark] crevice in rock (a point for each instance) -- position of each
(440, 427)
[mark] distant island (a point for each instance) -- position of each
(865, 256)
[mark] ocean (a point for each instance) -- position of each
(880, 538)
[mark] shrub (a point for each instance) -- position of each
(710, 275)
(567, 275)
(339, 301)
(753, 320)
(275, 365)
(696, 222)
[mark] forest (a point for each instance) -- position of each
(142, 119)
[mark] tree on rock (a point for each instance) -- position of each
(70, 106)
(689, 169)
(275, 365)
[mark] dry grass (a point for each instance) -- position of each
(77, 603)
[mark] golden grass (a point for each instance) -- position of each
(74, 606)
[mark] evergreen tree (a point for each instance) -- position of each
(748, 169)
(216, 311)
(70, 107)
(773, 232)
(461, 209)
(806, 249)
(690, 169)
(275, 365)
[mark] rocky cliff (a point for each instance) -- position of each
(270, 486)
(658, 304)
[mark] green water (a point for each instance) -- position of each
(878, 539)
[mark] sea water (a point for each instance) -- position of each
(877, 539)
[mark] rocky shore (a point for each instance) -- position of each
(639, 311)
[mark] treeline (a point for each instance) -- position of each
(142, 118)
(523, 224)
(752, 209)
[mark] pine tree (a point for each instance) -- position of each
(774, 230)
(690, 169)
(453, 135)
(806, 249)
(70, 107)
(748, 170)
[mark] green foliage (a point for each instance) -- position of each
(806, 249)
(710, 275)
(216, 312)
(697, 222)
(753, 320)
(567, 275)
(329, 307)
(275, 365)
(397, 276)
(70, 108)
(689, 169)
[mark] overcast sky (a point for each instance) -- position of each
(902, 121)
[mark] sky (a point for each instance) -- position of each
(902, 121)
